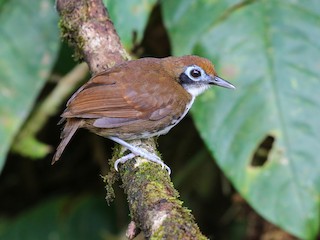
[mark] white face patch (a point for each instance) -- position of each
(195, 73)
(195, 80)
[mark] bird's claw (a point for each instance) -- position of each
(123, 160)
(165, 166)
(132, 155)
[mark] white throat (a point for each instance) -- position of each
(196, 90)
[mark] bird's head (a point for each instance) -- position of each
(195, 74)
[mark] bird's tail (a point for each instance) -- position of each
(68, 131)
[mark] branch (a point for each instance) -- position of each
(153, 201)
(85, 24)
(26, 142)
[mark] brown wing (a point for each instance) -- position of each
(100, 100)
(125, 94)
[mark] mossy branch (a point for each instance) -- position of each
(153, 201)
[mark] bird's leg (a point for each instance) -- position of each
(136, 151)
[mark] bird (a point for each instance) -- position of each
(138, 99)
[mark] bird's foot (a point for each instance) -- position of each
(123, 160)
(148, 156)
(136, 151)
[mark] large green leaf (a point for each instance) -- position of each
(86, 217)
(29, 41)
(270, 50)
(188, 20)
(130, 18)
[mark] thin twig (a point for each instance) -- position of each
(44, 111)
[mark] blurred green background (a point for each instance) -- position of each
(245, 161)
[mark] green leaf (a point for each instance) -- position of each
(30, 147)
(187, 20)
(86, 217)
(29, 41)
(130, 18)
(270, 50)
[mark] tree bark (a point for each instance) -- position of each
(153, 201)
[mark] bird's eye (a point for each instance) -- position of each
(195, 73)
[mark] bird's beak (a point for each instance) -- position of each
(215, 80)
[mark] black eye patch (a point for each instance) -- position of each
(185, 79)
